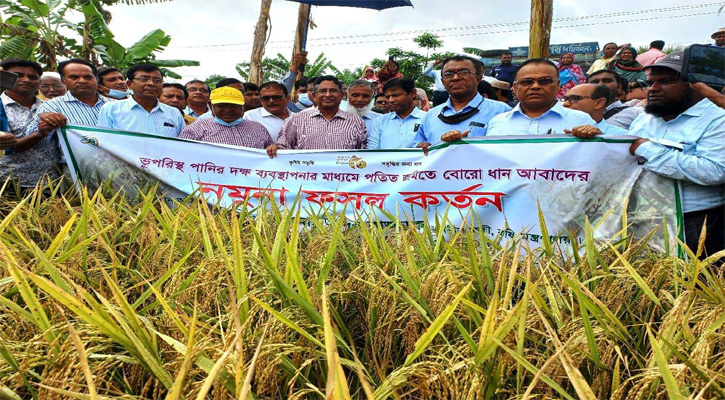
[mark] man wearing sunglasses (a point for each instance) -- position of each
(274, 111)
(143, 112)
(538, 111)
(682, 136)
(465, 113)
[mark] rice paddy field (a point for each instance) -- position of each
(102, 298)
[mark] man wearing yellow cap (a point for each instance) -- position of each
(227, 126)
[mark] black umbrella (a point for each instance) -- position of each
(371, 4)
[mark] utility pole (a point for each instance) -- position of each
(540, 28)
(260, 39)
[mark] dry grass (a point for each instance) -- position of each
(161, 303)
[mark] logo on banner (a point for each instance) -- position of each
(92, 140)
(354, 162)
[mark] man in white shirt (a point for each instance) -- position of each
(591, 99)
(274, 111)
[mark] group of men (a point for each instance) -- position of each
(681, 129)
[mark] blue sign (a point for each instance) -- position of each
(554, 49)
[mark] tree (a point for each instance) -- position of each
(213, 79)
(347, 75)
(428, 41)
(260, 38)
(275, 69)
(143, 51)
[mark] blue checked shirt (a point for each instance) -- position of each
(555, 120)
(389, 131)
(611, 130)
(75, 111)
(432, 128)
(699, 167)
(128, 115)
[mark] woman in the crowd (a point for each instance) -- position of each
(390, 70)
(423, 103)
(369, 75)
(570, 74)
(627, 66)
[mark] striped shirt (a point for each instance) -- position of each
(310, 130)
(246, 133)
(128, 115)
(75, 111)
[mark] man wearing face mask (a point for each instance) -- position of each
(227, 126)
(111, 83)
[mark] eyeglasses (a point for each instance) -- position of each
(573, 98)
(383, 102)
(327, 91)
(662, 82)
(144, 79)
(56, 86)
(200, 90)
(546, 81)
(463, 73)
(275, 97)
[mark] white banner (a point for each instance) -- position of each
(497, 183)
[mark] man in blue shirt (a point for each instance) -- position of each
(466, 113)
(682, 136)
(360, 96)
(397, 129)
(538, 111)
(506, 71)
(440, 95)
(591, 99)
(143, 112)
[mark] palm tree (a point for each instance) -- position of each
(274, 69)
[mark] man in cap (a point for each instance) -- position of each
(51, 86)
(227, 125)
(682, 136)
(591, 99)
(719, 37)
(503, 91)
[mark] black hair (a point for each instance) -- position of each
(617, 77)
(250, 86)
(196, 81)
(227, 82)
(377, 96)
(603, 91)
(63, 64)
(16, 62)
(477, 65)
(103, 71)
(625, 84)
(274, 85)
(311, 81)
(300, 83)
(657, 44)
(131, 73)
(506, 53)
(329, 78)
(178, 86)
(407, 84)
(534, 61)
(486, 90)
(607, 44)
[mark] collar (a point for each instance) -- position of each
(617, 103)
(558, 108)
(371, 115)
(69, 98)
(416, 113)
(9, 100)
(157, 107)
(341, 114)
(264, 113)
(699, 108)
(477, 99)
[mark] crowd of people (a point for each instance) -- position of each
(680, 126)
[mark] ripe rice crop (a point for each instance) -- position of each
(104, 298)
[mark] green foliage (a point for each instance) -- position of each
(213, 79)
(168, 300)
(274, 69)
(428, 41)
(347, 75)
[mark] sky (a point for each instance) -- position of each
(219, 33)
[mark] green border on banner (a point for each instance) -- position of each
(474, 140)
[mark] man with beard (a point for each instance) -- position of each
(143, 112)
(325, 127)
(51, 86)
(360, 96)
(506, 71)
(682, 136)
(197, 103)
(397, 129)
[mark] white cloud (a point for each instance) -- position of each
(198, 27)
